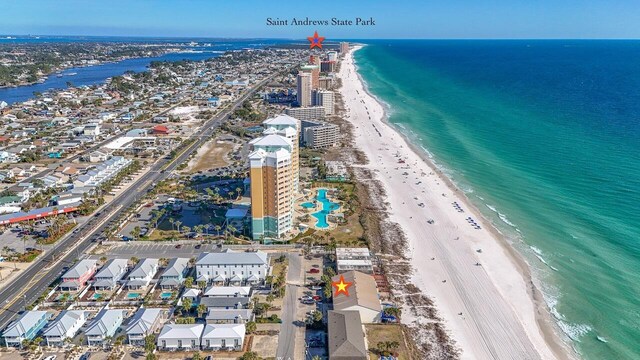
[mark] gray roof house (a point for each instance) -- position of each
(112, 272)
(229, 316)
(64, 327)
(104, 325)
(142, 274)
(346, 336)
(26, 327)
(240, 302)
(175, 273)
(144, 322)
(180, 337)
(78, 275)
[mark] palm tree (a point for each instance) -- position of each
(178, 223)
(250, 327)
(172, 222)
(186, 305)
(201, 309)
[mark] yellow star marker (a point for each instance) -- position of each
(341, 286)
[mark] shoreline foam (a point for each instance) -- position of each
(534, 328)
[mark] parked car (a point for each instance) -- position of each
(314, 271)
(179, 246)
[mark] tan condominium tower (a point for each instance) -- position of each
(304, 89)
(274, 164)
(314, 70)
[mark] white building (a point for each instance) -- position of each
(112, 272)
(228, 291)
(104, 326)
(142, 274)
(223, 336)
(180, 337)
(324, 98)
(66, 326)
(230, 266)
(144, 322)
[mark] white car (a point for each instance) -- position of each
(52, 357)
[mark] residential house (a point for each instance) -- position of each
(142, 274)
(346, 336)
(64, 327)
(78, 275)
(230, 267)
(104, 326)
(223, 336)
(192, 294)
(112, 272)
(228, 291)
(241, 302)
(175, 273)
(229, 316)
(363, 296)
(26, 327)
(143, 323)
(180, 337)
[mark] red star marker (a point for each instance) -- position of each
(316, 41)
(341, 286)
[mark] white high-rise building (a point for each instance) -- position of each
(304, 89)
(324, 98)
(332, 55)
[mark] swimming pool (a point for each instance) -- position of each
(96, 296)
(166, 295)
(327, 207)
(308, 205)
(133, 295)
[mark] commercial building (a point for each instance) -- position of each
(363, 296)
(319, 135)
(306, 113)
(324, 98)
(358, 259)
(304, 89)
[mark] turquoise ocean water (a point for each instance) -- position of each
(544, 136)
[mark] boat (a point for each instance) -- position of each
(72, 74)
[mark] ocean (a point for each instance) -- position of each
(544, 138)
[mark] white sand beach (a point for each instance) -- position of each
(503, 316)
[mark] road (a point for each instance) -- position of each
(34, 280)
(292, 325)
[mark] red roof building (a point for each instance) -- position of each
(160, 130)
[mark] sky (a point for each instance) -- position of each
(443, 19)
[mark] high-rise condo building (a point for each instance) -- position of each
(274, 167)
(314, 70)
(344, 48)
(304, 89)
(332, 55)
(324, 98)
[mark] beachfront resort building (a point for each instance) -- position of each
(306, 113)
(325, 99)
(319, 135)
(274, 177)
(304, 89)
(314, 72)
